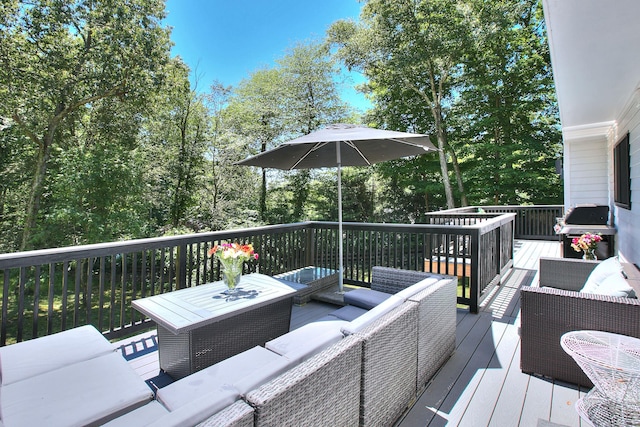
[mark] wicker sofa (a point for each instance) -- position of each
(405, 338)
(338, 372)
(557, 307)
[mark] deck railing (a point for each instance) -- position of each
(50, 290)
(532, 222)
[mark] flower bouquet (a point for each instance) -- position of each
(587, 243)
(232, 257)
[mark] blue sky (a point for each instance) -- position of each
(226, 40)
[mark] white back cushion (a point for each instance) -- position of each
(372, 315)
(407, 293)
(607, 279)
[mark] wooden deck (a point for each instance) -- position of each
(481, 385)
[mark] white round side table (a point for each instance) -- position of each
(612, 363)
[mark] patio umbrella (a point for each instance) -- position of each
(341, 145)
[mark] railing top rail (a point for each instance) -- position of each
(28, 258)
(491, 221)
(496, 207)
(44, 256)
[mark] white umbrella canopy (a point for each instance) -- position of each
(342, 145)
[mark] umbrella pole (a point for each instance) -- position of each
(340, 247)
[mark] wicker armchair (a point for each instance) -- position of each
(556, 307)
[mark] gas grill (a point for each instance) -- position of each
(587, 219)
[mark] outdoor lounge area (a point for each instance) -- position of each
(482, 315)
(399, 354)
(406, 334)
(480, 384)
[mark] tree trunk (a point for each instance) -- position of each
(442, 142)
(35, 196)
(263, 186)
(435, 102)
(456, 169)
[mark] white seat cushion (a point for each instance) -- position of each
(198, 409)
(144, 415)
(89, 392)
(23, 360)
(370, 316)
(220, 378)
(308, 340)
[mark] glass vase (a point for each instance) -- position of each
(231, 274)
(590, 255)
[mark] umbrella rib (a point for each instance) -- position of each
(409, 143)
(352, 145)
(313, 148)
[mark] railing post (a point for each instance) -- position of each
(181, 266)
(474, 292)
(498, 260)
(310, 249)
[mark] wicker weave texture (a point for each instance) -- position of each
(189, 352)
(436, 327)
(393, 280)
(600, 411)
(322, 391)
(565, 273)
(389, 366)
(303, 296)
(548, 313)
(238, 414)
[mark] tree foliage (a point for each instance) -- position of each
(104, 136)
(475, 75)
(62, 58)
(505, 120)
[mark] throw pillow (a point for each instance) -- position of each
(608, 279)
(615, 286)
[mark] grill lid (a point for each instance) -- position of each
(588, 215)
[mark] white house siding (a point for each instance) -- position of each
(585, 170)
(628, 221)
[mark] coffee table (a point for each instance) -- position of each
(308, 281)
(612, 363)
(202, 325)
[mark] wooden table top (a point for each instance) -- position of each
(190, 308)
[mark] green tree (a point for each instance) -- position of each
(278, 104)
(59, 59)
(506, 122)
(95, 190)
(312, 100)
(474, 74)
(255, 112)
(358, 195)
(230, 193)
(176, 140)
(412, 49)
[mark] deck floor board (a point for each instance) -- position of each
(482, 385)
